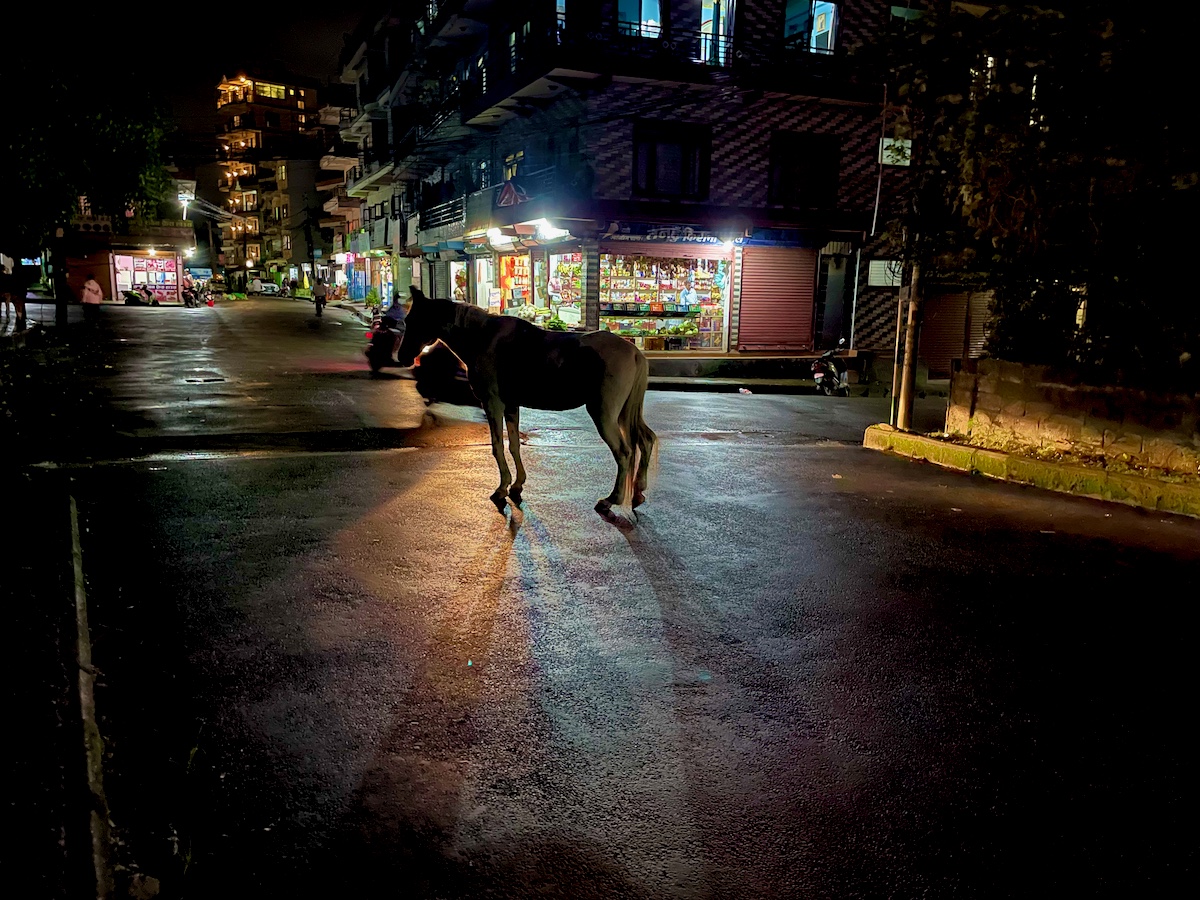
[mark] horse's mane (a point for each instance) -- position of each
(469, 314)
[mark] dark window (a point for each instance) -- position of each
(804, 170)
(670, 159)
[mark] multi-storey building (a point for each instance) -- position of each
(702, 176)
(269, 145)
(377, 67)
(342, 213)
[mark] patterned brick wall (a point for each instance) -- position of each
(742, 123)
(875, 314)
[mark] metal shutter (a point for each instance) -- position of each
(778, 289)
(943, 331)
(979, 316)
(441, 279)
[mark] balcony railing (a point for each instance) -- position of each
(448, 213)
(652, 42)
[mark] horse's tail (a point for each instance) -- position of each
(645, 441)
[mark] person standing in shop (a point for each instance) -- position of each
(688, 295)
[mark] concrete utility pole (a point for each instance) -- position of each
(308, 238)
(909, 375)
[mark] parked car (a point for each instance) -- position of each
(270, 287)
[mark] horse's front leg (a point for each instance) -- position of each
(512, 418)
(495, 417)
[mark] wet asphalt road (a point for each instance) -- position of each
(809, 671)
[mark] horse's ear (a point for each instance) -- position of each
(415, 292)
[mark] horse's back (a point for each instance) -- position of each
(560, 370)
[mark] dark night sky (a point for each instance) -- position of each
(308, 46)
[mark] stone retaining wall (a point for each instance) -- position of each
(1014, 407)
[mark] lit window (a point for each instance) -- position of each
(716, 30)
(512, 163)
(811, 25)
(639, 18)
(481, 68)
(884, 273)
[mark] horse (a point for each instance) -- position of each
(513, 363)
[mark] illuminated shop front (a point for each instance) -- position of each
(667, 297)
(544, 286)
(158, 272)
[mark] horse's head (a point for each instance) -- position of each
(422, 327)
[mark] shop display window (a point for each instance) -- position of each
(662, 303)
(516, 284)
(565, 287)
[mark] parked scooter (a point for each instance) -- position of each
(830, 377)
(139, 298)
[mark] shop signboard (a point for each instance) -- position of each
(667, 234)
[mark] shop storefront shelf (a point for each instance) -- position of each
(644, 314)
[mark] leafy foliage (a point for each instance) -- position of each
(1050, 153)
(88, 124)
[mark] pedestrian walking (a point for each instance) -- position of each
(320, 292)
(91, 294)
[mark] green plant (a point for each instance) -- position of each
(556, 324)
(372, 297)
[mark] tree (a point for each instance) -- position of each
(1050, 155)
(89, 126)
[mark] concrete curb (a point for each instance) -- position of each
(93, 743)
(1082, 481)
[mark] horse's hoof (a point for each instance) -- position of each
(604, 507)
(638, 499)
(514, 497)
(500, 500)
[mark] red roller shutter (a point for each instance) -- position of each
(778, 289)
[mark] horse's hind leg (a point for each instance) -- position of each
(495, 417)
(512, 418)
(605, 415)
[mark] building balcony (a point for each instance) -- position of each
(457, 21)
(369, 176)
(342, 204)
(449, 213)
(341, 156)
(355, 129)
